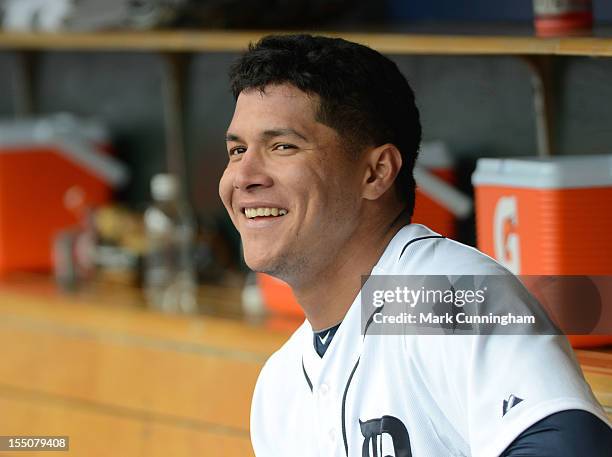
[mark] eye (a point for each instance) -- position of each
(284, 147)
(237, 151)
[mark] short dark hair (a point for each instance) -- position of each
(363, 95)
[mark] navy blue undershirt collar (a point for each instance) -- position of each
(322, 339)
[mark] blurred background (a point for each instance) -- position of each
(128, 320)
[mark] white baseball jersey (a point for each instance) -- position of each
(407, 395)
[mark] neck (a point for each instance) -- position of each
(328, 295)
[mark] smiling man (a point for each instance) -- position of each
(319, 184)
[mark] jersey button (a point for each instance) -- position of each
(323, 390)
(332, 435)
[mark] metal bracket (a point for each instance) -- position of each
(542, 80)
(24, 83)
(176, 66)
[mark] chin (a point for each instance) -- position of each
(269, 265)
(258, 262)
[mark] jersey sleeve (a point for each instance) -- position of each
(495, 386)
(514, 381)
(569, 433)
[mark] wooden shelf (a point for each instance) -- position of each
(391, 43)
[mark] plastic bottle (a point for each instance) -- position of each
(562, 17)
(169, 273)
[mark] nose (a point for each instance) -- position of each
(251, 172)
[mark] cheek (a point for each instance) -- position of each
(225, 188)
(343, 201)
(342, 185)
(327, 200)
(309, 188)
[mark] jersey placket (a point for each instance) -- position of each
(329, 376)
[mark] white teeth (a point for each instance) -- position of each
(261, 212)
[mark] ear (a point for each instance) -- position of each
(382, 165)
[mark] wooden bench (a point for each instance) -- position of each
(121, 380)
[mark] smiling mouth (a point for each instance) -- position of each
(252, 213)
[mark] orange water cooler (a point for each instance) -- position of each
(50, 168)
(548, 216)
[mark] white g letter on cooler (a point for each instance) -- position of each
(505, 238)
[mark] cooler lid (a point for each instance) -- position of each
(14, 132)
(561, 172)
(73, 138)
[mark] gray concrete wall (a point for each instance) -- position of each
(479, 105)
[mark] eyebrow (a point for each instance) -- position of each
(267, 134)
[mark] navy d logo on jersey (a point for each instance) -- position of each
(374, 430)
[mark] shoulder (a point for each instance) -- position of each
(419, 250)
(283, 368)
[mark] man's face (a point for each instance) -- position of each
(286, 164)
